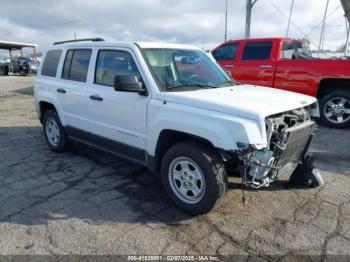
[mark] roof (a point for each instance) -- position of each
(263, 39)
(126, 44)
(15, 45)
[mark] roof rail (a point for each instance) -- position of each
(97, 39)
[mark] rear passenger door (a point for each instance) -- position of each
(256, 66)
(118, 119)
(71, 91)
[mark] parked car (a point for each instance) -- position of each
(171, 108)
(282, 63)
(19, 65)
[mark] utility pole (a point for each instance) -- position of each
(226, 22)
(290, 17)
(248, 16)
(347, 37)
(323, 28)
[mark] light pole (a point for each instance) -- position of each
(323, 28)
(290, 17)
(248, 16)
(226, 22)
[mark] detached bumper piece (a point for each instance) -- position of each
(287, 154)
(306, 175)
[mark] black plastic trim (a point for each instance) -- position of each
(111, 146)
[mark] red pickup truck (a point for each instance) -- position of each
(282, 63)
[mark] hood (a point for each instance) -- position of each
(248, 101)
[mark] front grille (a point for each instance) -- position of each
(298, 138)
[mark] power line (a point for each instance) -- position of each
(318, 25)
(287, 18)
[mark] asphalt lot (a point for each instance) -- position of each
(89, 202)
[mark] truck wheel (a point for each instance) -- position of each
(335, 109)
(194, 177)
(55, 135)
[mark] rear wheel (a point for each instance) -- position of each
(55, 135)
(194, 177)
(335, 109)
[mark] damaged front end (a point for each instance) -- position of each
(289, 136)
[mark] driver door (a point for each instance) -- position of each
(117, 118)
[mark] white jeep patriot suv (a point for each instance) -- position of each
(171, 108)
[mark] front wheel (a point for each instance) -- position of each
(335, 109)
(194, 177)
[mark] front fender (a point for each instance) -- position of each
(221, 130)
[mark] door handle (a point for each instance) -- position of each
(96, 98)
(265, 66)
(61, 90)
(229, 66)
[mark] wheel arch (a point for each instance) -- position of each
(43, 107)
(330, 84)
(167, 138)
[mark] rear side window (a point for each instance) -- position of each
(111, 63)
(257, 51)
(50, 64)
(227, 52)
(76, 65)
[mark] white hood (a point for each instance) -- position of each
(248, 101)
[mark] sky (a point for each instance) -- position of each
(198, 22)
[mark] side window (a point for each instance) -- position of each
(257, 51)
(50, 64)
(111, 63)
(76, 65)
(227, 52)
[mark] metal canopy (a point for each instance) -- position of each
(15, 45)
(346, 7)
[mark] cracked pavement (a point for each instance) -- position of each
(89, 202)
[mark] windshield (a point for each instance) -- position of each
(182, 70)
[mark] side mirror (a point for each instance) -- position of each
(129, 83)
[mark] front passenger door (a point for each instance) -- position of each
(117, 119)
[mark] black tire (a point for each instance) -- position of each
(2, 71)
(63, 143)
(6, 71)
(324, 108)
(213, 171)
(23, 72)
